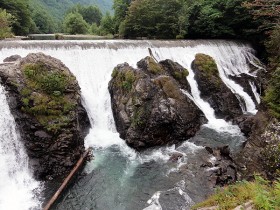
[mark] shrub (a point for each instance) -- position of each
(153, 66)
(271, 158)
(181, 74)
(265, 195)
(272, 96)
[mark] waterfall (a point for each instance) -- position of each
(92, 62)
(17, 186)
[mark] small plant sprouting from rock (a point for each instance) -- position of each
(181, 74)
(40, 78)
(124, 78)
(115, 73)
(153, 66)
(43, 96)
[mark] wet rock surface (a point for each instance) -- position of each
(244, 81)
(44, 98)
(148, 105)
(213, 90)
(249, 159)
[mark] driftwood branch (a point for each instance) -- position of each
(67, 179)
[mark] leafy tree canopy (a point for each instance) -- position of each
(6, 21)
(152, 18)
(75, 24)
(107, 25)
(91, 14)
(21, 13)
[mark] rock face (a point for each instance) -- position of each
(44, 98)
(261, 151)
(148, 106)
(244, 80)
(213, 90)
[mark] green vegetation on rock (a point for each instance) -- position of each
(153, 66)
(263, 194)
(138, 118)
(43, 96)
(169, 87)
(124, 79)
(272, 96)
(206, 64)
(181, 74)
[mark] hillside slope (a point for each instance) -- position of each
(57, 8)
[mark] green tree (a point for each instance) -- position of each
(153, 18)
(6, 21)
(92, 14)
(94, 29)
(267, 11)
(120, 9)
(21, 13)
(75, 24)
(107, 24)
(43, 22)
(220, 19)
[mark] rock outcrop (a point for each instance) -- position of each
(44, 98)
(245, 81)
(213, 90)
(261, 152)
(148, 105)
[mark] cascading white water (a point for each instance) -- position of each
(256, 94)
(17, 187)
(92, 62)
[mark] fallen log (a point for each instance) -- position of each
(67, 179)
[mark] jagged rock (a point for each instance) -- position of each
(244, 81)
(12, 58)
(174, 157)
(249, 159)
(245, 123)
(212, 88)
(44, 98)
(148, 105)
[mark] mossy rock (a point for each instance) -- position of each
(124, 78)
(43, 95)
(169, 86)
(206, 64)
(153, 66)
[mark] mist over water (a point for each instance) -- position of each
(118, 177)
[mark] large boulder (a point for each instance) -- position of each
(45, 100)
(148, 105)
(213, 90)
